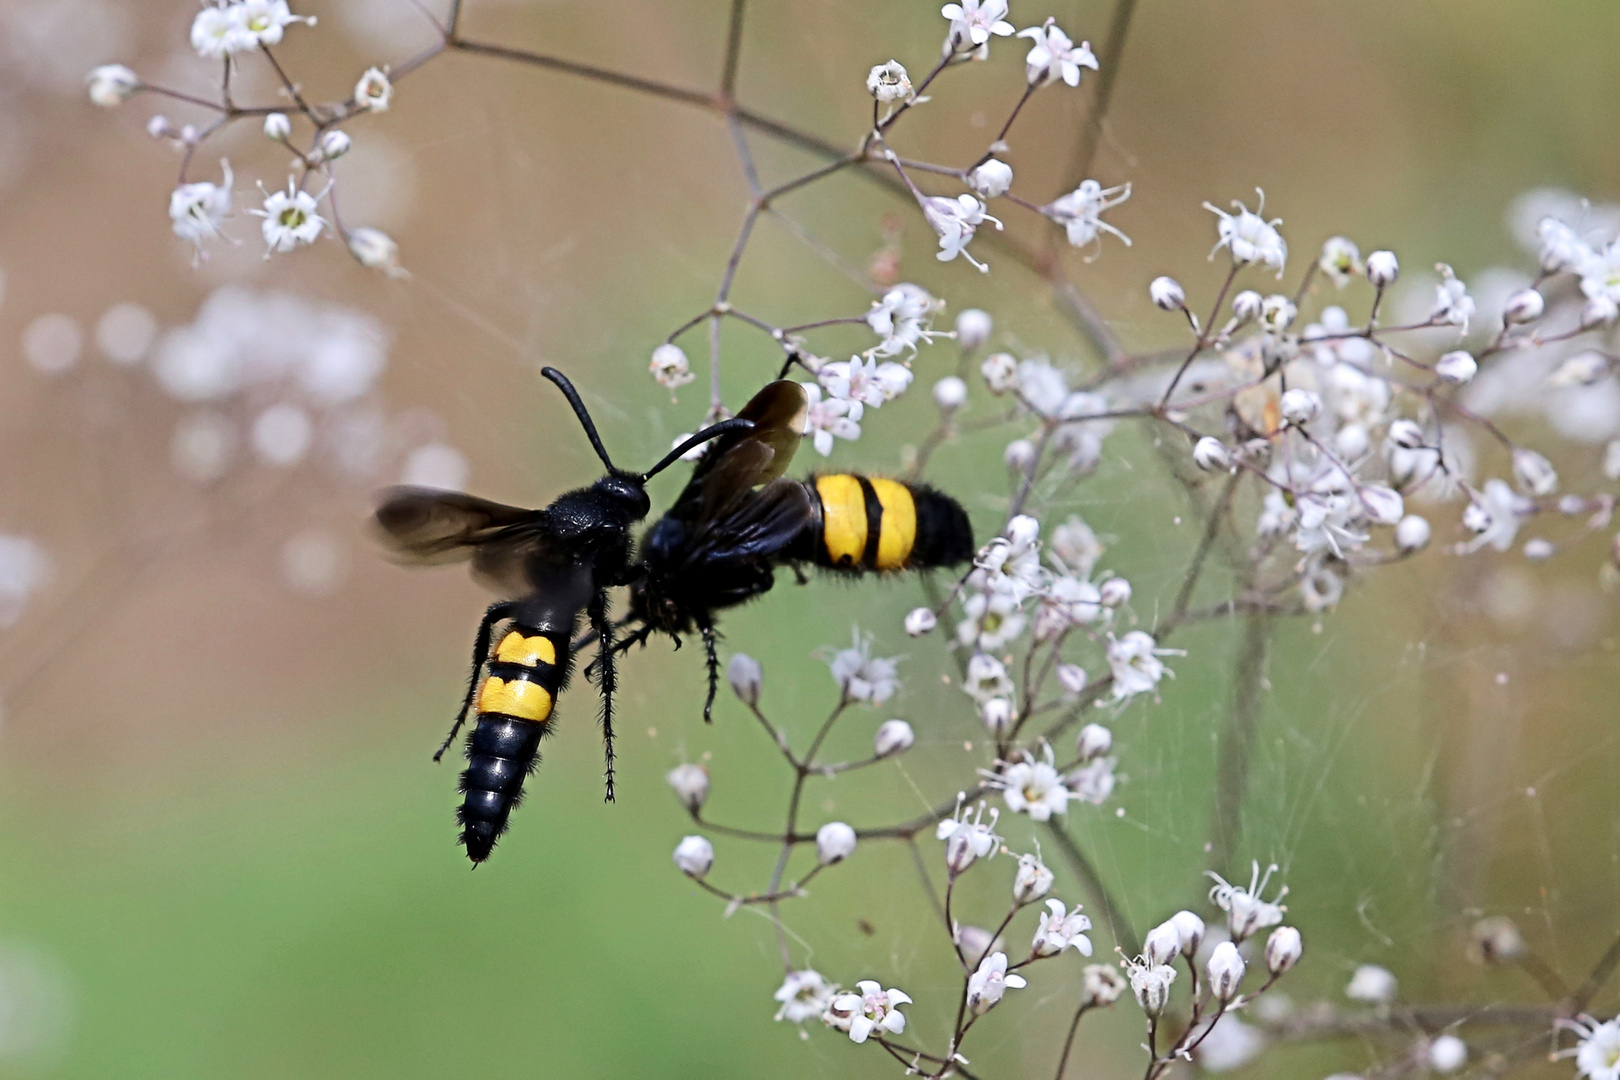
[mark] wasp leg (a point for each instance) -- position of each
(714, 669)
(607, 678)
(486, 627)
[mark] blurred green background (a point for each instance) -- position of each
(223, 849)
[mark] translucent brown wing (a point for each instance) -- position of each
(736, 463)
(426, 526)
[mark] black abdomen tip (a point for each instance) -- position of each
(500, 753)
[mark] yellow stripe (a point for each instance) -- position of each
(520, 698)
(899, 525)
(528, 651)
(843, 509)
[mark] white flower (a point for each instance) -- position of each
(263, 21)
(1053, 56)
(986, 986)
(1230, 1044)
(955, 220)
(992, 179)
(374, 91)
(1372, 984)
(1076, 544)
(1093, 741)
(1162, 944)
(216, 32)
(1456, 367)
(804, 995)
(289, 219)
(1599, 311)
(111, 84)
(1412, 534)
(950, 393)
(1494, 516)
(973, 328)
(1101, 984)
(1115, 592)
(670, 367)
(854, 381)
(1247, 305)
(1167, 293)
(1328, 521)
(1134, 661)
(1277, 313)
(873, 1009)
(747, 678)
(691, 784)
(902, 318)
(835, 842)
(1299, 406)
(1191, 929)
(1452, 304)
(1245, 911)
(1000, 372)
(277, 127)
(973, 21)
(1080, 212)
(1031, 787)
(920, 621)
(1226, 969)
(376, 250)
(1597, 1055)
(1012, 563)
(826, 420)
(893, 737)
(1600, 273)
(1151, 984)
(986, 678)
(333, 145)
(1032, 880)
(1283, 949)
(1094, 782)
(863, 677)
(1061, 929)
(968, 839)
(993, 621)
(1582, 369)
(694, 855)
(1561, 247)
(198, 209)
(1209, 454)
(1524, 306)
(1340, 260)
(889, 82)
(1072, 677)
(1447, 1053)
(25, 568)
(1249, 237)
(1534, 473)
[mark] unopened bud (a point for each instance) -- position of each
(1072, 677)
(835, 842)
(1114, 592)
(1246, 305)
(950, 393)
(746, 678)
(893, 737)
(1093, 742)
(1447, 1053)
(1283, 949)
(375, 250)
(1497, 940)
(694, 855)
(277, 127)
(1599, 311)
(1524, 306)
(1456, 367)
(691, 784)
(1534, 473)
(1162, 944)
(111, 84)
(998, 715)
(1019, 455)
(334, 144)
(1382, 269)
(1209, 454)
(1300, 406)
(1226, 970)
(1191, 929)
(1412, 534)
(1000, 372)
(920, 621)
(1032, 880)
(973, 328)
(1406, 434)
(1167, 293)
(991, 179)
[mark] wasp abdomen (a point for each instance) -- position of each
(873, 523)
(514, 712)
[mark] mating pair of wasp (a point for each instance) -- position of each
(737, 519)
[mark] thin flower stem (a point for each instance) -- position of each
(1112, 55)
(1068, 1040)
(1029, 90)
(1203, 338)
(734, 31)
(1601, 974)
(291, 87)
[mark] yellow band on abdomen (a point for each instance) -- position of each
(843, 525)
(528, 651)
(897, 531)
(520, 698)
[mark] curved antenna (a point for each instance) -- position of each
(713, 431)
(579, 410)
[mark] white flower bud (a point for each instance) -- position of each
(374, 91)
(1539, 549)
(1246, 305)
(1406, 434)
(973, 328)
(334, 144)
(1447, 1053)
(1191, 929)
(1456, 367)
(1599, 311)
(1383, 269)
(694, 855)
(691, 784)
(950, 393)
(1351, 441)
(959, 853)
(1093, 742)
(277, 127)
(1582, 369)
(1300, 406)
(1534, 473)
(1114, 592)
(1167, 293)
(991, 179)
(746, 678)
(1162, 944)
(889, 82)
(1101, 984)
(835, 842)
(1000, 372)
(893, 737)
(1372, 984)
(1283, 949)
(158, 126)
(997, 714)
(1032, 880)
(1524, 306)
(1209, 454)
(1278, 312)
(1151, 985)
(1019, 455)
(1226, 970)
(1072, 677)
(375, 250)
(1497, 940)
(920, 621)
(1383, 505)
(111, 84)
(1412, 534)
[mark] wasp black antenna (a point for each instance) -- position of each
(580, 411)
(713, 431)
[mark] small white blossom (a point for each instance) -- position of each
(1093, 782)
(1167, 293)
(111, 84)
(976, 943)
(993, 621)
(1191, 928)
(1080, 212)
(1299, 406)
(747, 678)
(920, 621)
(1283, 949)
(1597, 1055)
(1162, 944)
(986, 678)
(670, 367)
(1447, 1053)
(1246, 911)
(690, 783)
(835, 842)
(1134, 661)
(893, 737)
(1230, 1044)
(1032, 880)
(289, 219)
(973, 328)
(1534, 473)
(1561, 247)
(973, 21)
(1494, 516)
(1340, 260)
(1226, 969)
(216, 32)
(1101, 984)
(1277, 313)
(1599, 311)
(1151, 984)
(1456, 367)
(1247, 305)
(263, 22)
(986, 986)
(992, 179)
(804, 995)
(1209, 454)
(1053, 55)
(1524, 306)
(872, 1009)
(997, 714)
(1383, 268)
(1582, 369)
(1000, 371)
(1249, 237)
(1093, 741)
(376, 250)
(1072, 677)
(1452, 304)
(1372, 984)
(1061, 929)
(374, 91)
(1032, 787)
(197, 210)
(1114, 592)
(955, 221)
(277, 127)
(694, 855)
(950, 394)
(863, 677)
(829, 419)
(889, 82)
(1412, 534)
(968, 839)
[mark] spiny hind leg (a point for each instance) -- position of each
(607, 676)
(486, 628)
(707, 629)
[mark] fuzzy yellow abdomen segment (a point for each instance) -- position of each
(521, 698)
(843, 524)
(898, 528)
(527, 651)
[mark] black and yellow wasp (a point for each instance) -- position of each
(549, 565)
(738, 518)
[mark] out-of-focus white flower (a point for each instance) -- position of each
(893, 737)
(1277, 313)
(1151, 984)
(52, 343)
(1076, 544)
(1538, 549)
(1524, 306)
(670, 367)
(1072, 677)
(376, 250)
(863, 677)
(111, 84)
(1093, 782)
(1582, 369)
(1226, 969)
(1456, 367)
(1534, 473)
(889, 82)
(1134, 661)
(973, 21)
(986, 678)
(216, 32)
(125, 332)
(835, 842)
(1384, 505)
(374, 91)
(1000, 371)
(969, 837)
(289, 219)
(993, 621)
(1053, 55)
(955, 221)
(872, 1009)
(829, 419)
(1599, 311)
(1209, 454)
(973, 329)
(1340, 260)
(198, 209)
(1246, 912)
(986, 986)
(264, 21)
(1032, 787)
(1101, 984)
(1561, 247)
(333, 144)
(1299, 406)
(920, 621)
(747, 678)
(1383, 268)
(1597, 1054)
(804, 995)
(694, 855)
(1162, 944)
(435, 465)
(1247, 305)
(902, 318)
(690, 783)
(1093, 741)
(1230, 1044)
(24, 570)
(1080, 212)
(992, 179)
(1032, 880)
(976, 943)
(1283, 949)
(1061, 929)
(1412, 534)
(1600, 272)
(1372, 984)
(950, 394)
(1452, 304)
(1191, 929)
(1114, 592)
(1249, 237)
(1447, 1053)
(1167, 293)
(1494, 516)
(277, 127)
